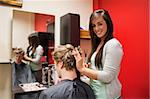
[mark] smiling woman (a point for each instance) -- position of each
(17, 3)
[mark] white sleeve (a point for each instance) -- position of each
(38, 54)
(111, 65)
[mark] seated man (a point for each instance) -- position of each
(21, 73)
(70, 86)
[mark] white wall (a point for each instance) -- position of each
(59, 8)
(5, 33)
(22, 26)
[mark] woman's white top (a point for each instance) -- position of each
(108, 76)
(36, 64)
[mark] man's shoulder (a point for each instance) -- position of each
(59, 86)
(68, 89)
(54, 91)
(85, 86)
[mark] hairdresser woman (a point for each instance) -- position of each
(34, 54)
(105, 57)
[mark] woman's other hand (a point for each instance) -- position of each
(79, 60)
(27, 58)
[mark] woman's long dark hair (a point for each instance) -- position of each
(95, 41)
(33, 42)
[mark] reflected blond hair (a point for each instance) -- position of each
(18, 51)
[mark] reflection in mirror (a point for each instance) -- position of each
(32, 44)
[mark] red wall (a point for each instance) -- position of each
(96, 4)
(130, 18)
(41, 21)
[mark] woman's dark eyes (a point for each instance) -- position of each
(99, 23)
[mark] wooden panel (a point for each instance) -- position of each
(5, 81)
(17, 3)
(84, 34)
(70, 29)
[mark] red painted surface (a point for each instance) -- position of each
(96, 4)
(41, 22)
(130, 18)
(50, 50)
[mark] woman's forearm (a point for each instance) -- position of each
(37, 59)
(89, 72)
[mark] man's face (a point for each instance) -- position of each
(18, 58)
(58, 66)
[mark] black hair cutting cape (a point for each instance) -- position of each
(68, 89)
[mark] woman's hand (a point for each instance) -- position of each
(83, 67)
(79, 60)
(27, 58)
(88, 65)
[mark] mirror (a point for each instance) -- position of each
(24, 77)
(25, 23)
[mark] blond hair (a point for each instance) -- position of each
(64, 53)
(17, 51)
